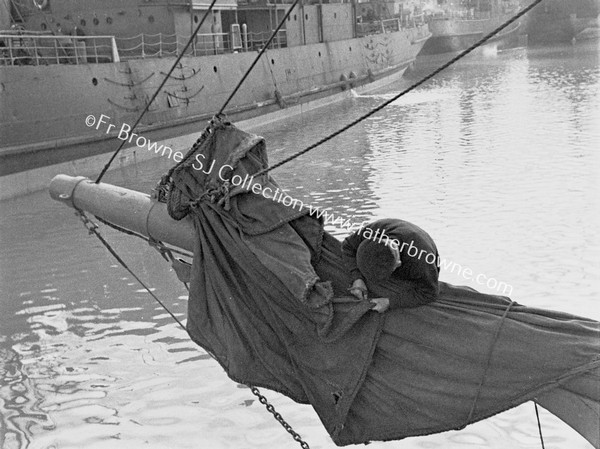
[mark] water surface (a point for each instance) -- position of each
(497, 158)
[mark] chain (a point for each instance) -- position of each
(93, 230)
(263, 400)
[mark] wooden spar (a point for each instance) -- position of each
(126, 208)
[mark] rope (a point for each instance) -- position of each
(164, 81)
(264, 49)
(537, 415)
(93, 229)
(404, 92)
(487, 365)
(155, 243)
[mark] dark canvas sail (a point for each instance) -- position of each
(268, 300)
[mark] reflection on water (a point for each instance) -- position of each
(497, 159)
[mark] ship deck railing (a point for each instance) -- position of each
(19, 47)
(34, 48)
(164, 45)
(389, 25)
(466, 14)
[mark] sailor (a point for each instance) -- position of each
(393, 263)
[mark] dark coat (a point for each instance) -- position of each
(418, 273)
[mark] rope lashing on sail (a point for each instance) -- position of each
(386, 103)
(158, 90)
(487, 366)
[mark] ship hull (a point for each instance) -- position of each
(454, 35)
(43, 118)
(560, 22)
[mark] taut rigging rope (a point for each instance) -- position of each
(386, 103)
(162, 84)
(264, 49)
(93, 229)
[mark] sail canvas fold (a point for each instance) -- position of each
(268, 300)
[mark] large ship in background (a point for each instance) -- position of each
(563, 21)
(456, 25)
(63, 61)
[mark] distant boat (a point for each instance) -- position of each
(65, 61)
(560, 21)
(456, 27)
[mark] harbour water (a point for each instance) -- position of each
(497, 158)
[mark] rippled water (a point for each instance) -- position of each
(497, 158)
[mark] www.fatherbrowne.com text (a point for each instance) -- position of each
(248, 183)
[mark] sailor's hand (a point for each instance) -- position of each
(380, 304)
(359, 289)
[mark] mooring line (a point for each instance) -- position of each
(404, 92)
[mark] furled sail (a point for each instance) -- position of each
(268, 299)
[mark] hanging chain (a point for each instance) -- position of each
(263, 400)
(93, 230)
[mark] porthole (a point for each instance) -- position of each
(196, 18)
(43, 26)
(82, 22)
(319, 54)
(350, 48)
(295, 17)
(151, 19)
(96, 21)
(109, 20)
(335, 15)
(306, 16)
(272, 62)
(215, 69)
(95, 81)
